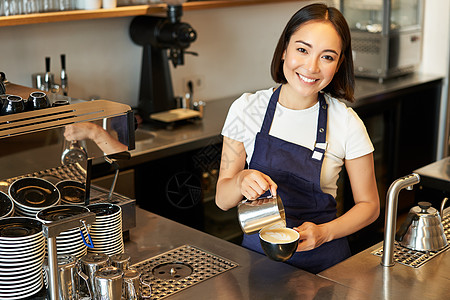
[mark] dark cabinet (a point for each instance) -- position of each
(171, 187)
(403, 126)
(180, 186)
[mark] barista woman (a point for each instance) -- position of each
(296, 138)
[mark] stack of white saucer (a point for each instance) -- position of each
(6, 206)
(22, 250)
(106, 231)
(68, 242)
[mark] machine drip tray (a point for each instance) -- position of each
(410, 258)
(180, 268)
(413, 258)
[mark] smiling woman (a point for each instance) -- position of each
(296, 137)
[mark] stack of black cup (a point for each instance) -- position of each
(12, 104)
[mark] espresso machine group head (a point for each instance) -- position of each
(163, 39)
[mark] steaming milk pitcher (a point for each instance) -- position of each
(108, 284)
(68, 281)
(132, 283)
(256, 214)
(89, 264)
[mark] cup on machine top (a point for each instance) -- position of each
(12, 104)
(37, 100)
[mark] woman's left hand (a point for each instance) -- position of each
(311, 236)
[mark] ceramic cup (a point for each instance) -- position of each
(37, 100)
(2, 84)
(92, 4)
(109, 3)
(13, 104)
(279, 244)
(60, 103)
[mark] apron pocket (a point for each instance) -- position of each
(301, 194)
(296, 192)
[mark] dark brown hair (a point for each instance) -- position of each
(343, 83)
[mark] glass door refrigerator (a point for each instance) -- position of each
(386, 36)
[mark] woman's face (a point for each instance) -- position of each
(312, 58)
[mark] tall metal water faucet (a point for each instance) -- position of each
(391, 215)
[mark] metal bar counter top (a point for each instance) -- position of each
(255, 277)
(364, 273)
(436, 175)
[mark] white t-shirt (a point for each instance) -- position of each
(346, 134)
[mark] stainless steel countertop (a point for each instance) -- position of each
(364, 273)
(368, 91)
(256, 277)
(436, 175)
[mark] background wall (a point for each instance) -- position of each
(436, 54)
(436, 37)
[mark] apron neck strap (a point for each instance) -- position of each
(270, 111)
(321, 137)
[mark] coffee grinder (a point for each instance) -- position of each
(163, 39)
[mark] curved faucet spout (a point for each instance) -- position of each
(391, 215)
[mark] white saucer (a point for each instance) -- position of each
(21, 255)
(23, 292)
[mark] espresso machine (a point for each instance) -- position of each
(35, 150)
(163, 39)
(386, 36)
(33, 144)
(33, 140)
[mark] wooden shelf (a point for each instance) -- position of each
(124, 11)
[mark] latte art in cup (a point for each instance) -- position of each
(279, 235)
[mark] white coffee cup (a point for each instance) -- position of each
(92, 4)
(109, 3)
(279, 244)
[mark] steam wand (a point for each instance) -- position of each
(112, 160)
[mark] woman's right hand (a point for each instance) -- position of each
(253, 184)
(81, 131)
(235, 180)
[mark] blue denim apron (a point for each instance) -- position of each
(296, 171)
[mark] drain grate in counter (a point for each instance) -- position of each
(413, 258)
(180, 268)
(410, 258)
